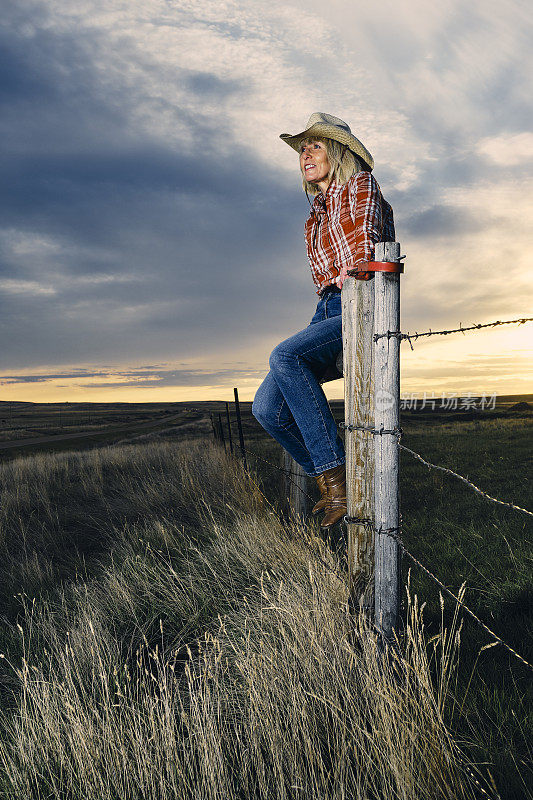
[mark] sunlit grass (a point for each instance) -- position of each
(207, 651)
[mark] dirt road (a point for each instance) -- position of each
(85, 434)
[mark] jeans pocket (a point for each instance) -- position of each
(320, 312)
(334, 306)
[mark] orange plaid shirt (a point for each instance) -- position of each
(344, 226)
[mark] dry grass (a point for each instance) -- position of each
(212, 655)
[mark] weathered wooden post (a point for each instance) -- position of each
(213, 426)
(285, 478)
(295, 486)
(387, 419)
(357, 329)
(239, 426)
(230, 438)
(221, 431)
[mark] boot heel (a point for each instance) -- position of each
(321, 505)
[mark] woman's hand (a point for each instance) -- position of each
(361, 276)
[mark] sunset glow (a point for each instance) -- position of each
(152, 225)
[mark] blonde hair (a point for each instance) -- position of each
(342, 163)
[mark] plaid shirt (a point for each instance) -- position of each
(344, 226)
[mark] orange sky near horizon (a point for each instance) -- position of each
(495, 360)
(152, 231)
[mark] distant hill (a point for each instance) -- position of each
(521, 407)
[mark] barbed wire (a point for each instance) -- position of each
(396, 536)
(286, 472)
(370, 429)
(415, 455)
(411, 336)
(465, 480)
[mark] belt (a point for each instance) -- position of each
(331, 287)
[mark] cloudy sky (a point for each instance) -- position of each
(151, 224)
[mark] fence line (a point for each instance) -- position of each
(288, 472)
(387, 602)
(396, 535)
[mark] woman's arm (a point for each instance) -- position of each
(366, 210)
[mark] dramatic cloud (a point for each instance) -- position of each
(146, 377)
(149, 211)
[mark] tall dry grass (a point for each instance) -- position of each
(218, 659)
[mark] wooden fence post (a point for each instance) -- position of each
(221, 431)
(285, 475)
(239, 425)
(295, 486)
(215, 435)
(229, 429)
(357, 329)
(386, 451)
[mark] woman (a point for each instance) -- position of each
(348, 216)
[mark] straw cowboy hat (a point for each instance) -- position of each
(330, 127)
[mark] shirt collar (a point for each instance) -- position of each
(321, 201)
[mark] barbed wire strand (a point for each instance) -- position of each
(445, 589)
(286, 472)
(465, 480)
(410, 336)
(395, 535)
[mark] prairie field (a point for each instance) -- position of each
(170, 632)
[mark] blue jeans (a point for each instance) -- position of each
(290, 403)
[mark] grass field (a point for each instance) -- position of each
(167, 634)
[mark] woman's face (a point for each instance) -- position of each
(314, 163)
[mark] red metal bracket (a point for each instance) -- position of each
(384, 266)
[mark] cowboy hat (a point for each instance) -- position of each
(330, 127)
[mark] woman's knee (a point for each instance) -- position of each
(282, 357)
(257, 408)
(263, 406)
(264, 414)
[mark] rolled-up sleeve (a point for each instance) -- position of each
(365, 206)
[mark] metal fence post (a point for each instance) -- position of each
(386, 451)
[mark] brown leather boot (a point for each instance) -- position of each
(320, 506)
(335, 480)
